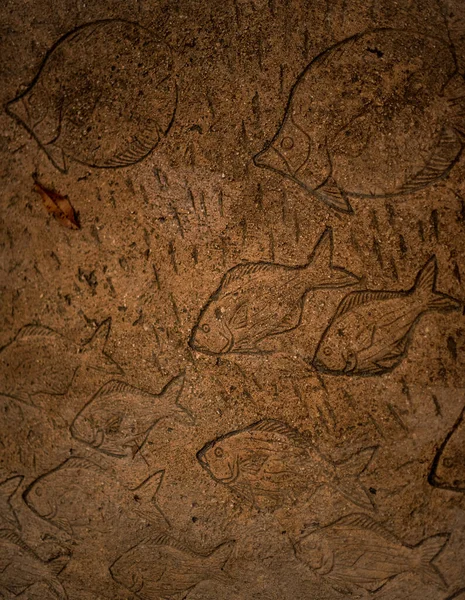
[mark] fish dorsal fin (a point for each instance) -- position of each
(165, 540)
(11, 536)
(274, 426)
(115, 387)
(240, 271)
(36, 331)
(355, 299)
(362, 521)
(240, 318)
(77, 462)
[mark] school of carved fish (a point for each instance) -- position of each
(106, 95)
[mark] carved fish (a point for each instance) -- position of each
(257, 300)
(269, 461)
(119, 417)
(42, 361)
(104, 96)
(371, 330)
(356, 552)
(21, 567)
(378, 114)
(161, 568)
(80, 495)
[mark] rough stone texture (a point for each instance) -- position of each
(344, 474)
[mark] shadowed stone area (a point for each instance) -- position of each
(232, 349)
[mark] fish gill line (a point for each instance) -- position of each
(175, 309)
(161, 178)
(377, 250)
(393, 266)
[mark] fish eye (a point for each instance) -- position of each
(448, 462)
(287, 143)
(206, 328)
(219, 452)
(39, 491)
(327, 351)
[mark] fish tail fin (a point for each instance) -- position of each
(218, 558)
(425, 287)
(170, 397)
(348, 483)
(145, 497)
(320, 267)
(57, 588)
(95, 350)
(427, 550)
(59, 563)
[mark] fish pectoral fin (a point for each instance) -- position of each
(395, 354)
(244, 491)
(339, 584)
(366, 336)
(240, 318)
(20, 396)
(290, 321)
(254, 463)
(330, 193)
(64, 524)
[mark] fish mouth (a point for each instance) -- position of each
(50, 515)
(234, 474)
(323, 368)
(137, 583)
(201, 457)
(351, 364)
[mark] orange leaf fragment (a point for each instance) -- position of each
(57, 205)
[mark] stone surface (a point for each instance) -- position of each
(241, 377)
